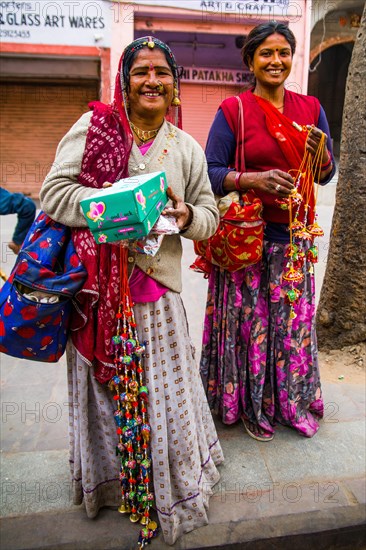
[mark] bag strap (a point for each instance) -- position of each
(239, 154)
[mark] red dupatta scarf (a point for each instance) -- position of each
(107, 150)
(291, 138)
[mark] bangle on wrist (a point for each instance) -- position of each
(326, 164)
(237, 181)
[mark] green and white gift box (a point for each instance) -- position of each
(128, 209)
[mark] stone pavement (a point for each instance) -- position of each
(290, 492)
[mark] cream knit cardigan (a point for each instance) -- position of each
(173, 151)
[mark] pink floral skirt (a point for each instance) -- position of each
(256, 361)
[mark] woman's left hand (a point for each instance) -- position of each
(180, 210)
(313, 140)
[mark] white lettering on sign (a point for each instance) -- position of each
(244, 5)
(283, 8)
(64, 22)
(209, 75)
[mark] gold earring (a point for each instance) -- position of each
(175, 100)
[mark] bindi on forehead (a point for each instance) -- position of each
(275, 41)
(150, 67)
(150, 61)
(150, 55)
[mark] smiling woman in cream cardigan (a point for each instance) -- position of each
(134, 136)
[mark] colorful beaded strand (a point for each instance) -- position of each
(300, 231)
(131, 417)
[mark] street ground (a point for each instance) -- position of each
(344, 366)
(292, 492)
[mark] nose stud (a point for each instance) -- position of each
(160, 86)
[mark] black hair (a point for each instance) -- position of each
(259, 35)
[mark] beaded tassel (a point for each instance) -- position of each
(131, 416)
(300, 230)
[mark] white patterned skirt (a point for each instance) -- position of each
(184, 444)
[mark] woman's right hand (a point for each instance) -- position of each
(275, 182)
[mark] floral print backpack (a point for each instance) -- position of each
(36, 300)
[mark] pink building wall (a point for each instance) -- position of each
(132, 20)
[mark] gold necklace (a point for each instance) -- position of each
(144, 135)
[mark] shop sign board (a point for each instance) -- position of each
(210, 75)
(57, 22)
(247, 8)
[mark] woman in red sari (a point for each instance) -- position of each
(259, 357)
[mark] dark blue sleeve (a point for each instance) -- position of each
(220, 152)
(25, 208)
(324, 127)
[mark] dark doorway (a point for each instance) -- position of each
(327, 82)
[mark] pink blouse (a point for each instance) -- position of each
(144, 288)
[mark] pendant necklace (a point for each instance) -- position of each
(144, 135)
